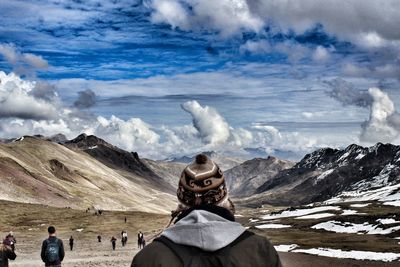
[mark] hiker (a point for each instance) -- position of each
(6, 253)
(99, 238)
(71, 243)
(113, 242)
(205, 232)
(124, 238)
(11, 240)
(125, 219)
(140, 239)
(52, 249)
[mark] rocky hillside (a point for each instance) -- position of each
(33, 170)
(244, 179)
(328, 173)
(128, 164)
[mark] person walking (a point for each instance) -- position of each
(204, 232)
(140, 240)
(113, 242)
(71, 243)
(99, 238)
(6, 253)
(52, 252)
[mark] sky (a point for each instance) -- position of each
(168, 78)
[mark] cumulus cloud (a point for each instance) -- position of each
(228, 17)
(22, 63)
(383, 124)
(363, 21)
(212, 127)
(86, 99)
(384, 121)
(19, 99)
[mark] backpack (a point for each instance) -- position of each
(52, 250)
(195, 257)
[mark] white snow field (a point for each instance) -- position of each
(298, 212)
(272, 226)
(352, 254)
(353, 228)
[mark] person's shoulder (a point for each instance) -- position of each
(145, 257)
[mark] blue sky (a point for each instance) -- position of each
(298, 70)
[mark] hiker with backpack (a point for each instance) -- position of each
(52, 253)
(205, 232)
(6, 253)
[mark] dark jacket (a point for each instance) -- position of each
(209, 232)
(6, 254)
(61, 251)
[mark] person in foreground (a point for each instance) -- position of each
(205, 232)
(6, 253)
(52, 249)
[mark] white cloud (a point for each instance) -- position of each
(362, 21)
(228, 17)
(212, 127)
(256, 47)
(22, 62)
(384, 121)
(17, 100)
(321, 54)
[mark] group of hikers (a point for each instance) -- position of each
(201, 232)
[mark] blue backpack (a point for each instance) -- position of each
(52, 250)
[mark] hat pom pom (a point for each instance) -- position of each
(201, 159)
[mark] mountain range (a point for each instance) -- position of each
(89, 172)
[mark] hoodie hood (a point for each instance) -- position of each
(204, 230)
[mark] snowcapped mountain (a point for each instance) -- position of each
(327, 173)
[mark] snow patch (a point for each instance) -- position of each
(323, 176)
(349, 212)
(315, 216)
(352, 254)
(392, 203)
(285, 248)
(353, 228)
(360, 205)
(272, 226)
(387, 221)
(299, 212)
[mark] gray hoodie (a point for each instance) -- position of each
(204, 230)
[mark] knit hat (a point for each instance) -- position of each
(202, 182)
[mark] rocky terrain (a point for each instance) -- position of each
(328, 173)
(34, 170)
(246, 178)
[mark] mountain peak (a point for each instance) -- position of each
(84, 141)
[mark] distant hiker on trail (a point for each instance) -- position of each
(52, 249)
(140, 238)
(6, 253)
(124, 238)
(205, 232)
(125, 219)
(11, 240)
(71, 243)
(99, 238)
(113, 242)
